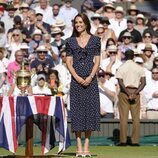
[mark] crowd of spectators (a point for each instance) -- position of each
(34, 32)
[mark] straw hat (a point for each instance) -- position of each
(109, 5)
(24, 5)
(96, 16)
(127, 34)
(24, 46)
(41, 48)
(59, 23)
(112, 48)
(11, 7)
(140, 16)
(119, 9)
(57, 30)
(148, 47)
(133, 7)
(37, 32)
(3, 3)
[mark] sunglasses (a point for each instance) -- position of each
(127, 37)
(112, 52)
(63, 56)
(154, 72)
(100, 76)
(99, 33)
(15, 35)
(147, 36)
(42, 52)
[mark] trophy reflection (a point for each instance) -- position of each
(23, 79)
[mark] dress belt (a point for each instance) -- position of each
(152, 110)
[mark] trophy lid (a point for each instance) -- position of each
(23, 72)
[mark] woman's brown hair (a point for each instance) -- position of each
(86, 22)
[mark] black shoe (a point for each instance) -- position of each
(135, 144)
(122, 144)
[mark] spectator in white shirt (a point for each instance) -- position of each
(107, 92)
(68, 12)
(40, 88)
(119, 23)
(45, 9)
(151, 94)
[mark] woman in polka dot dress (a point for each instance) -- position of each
(83, 59)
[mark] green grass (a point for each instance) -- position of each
(100, 152)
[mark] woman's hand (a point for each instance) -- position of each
(87, 81)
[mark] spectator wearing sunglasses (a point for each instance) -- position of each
(42, 63)
(134, 33)
(107, 92)
(151, 94)
(125, 45)
(147, 39)
(112, 62)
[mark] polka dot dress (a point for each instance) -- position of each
(84, 101)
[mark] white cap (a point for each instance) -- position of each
(138, 60)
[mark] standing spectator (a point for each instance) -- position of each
(83, 57)
(131, 83)
(119, 23)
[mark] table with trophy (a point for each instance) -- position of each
(19, 110)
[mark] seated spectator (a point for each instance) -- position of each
(54, 83)
(133, 11)
(42, 63)
(126, 44)
(15, 66)
(112, 61)
(14, 43)
(155, 62)
(24, 8)
(148, 56)
(41, 88)
(43, 26)
(119, 23)
(147, 39)
(107, 11)
(3, 61)
(110, 41)
(107, 92)
(3, 39)
(36, 41)
(4, 86)
(134, 33)
(151, 94)
(58, 41)
(140, 23)
(95, 22)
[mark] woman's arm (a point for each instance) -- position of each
(69, 62)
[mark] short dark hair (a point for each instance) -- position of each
(129, 54)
